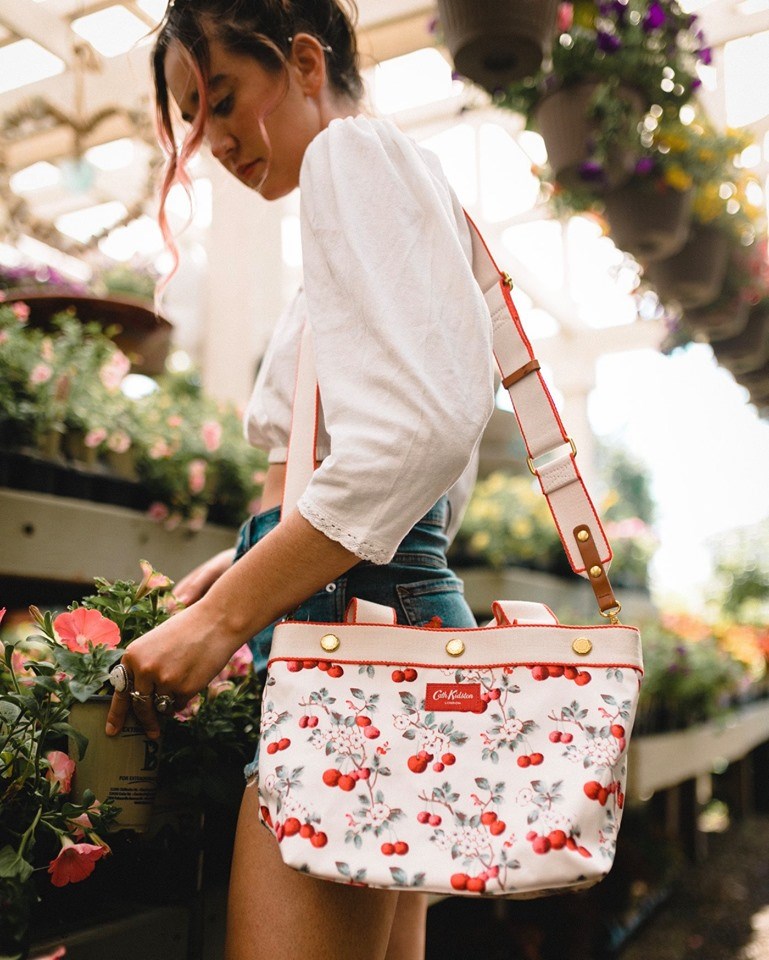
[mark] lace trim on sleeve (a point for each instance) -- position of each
(335, 531)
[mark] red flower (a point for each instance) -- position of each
(81, 627)
(75, 862)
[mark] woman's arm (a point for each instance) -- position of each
(183, 654)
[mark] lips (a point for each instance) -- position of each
(245, 170)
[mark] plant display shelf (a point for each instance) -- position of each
(665, 760)
(62, 539)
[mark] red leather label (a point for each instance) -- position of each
(454, 696)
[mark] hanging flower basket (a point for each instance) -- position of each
(123, 768)
(564, 118)
(494, 44)
(695, 275)
(648, 222)
(748, 350)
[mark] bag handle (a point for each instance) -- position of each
(551, 451)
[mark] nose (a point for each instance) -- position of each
(220, 142)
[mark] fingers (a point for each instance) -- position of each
(117, 713)
(143, 707)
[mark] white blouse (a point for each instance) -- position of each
(401, 335)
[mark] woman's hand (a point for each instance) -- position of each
(177, 659)
(197, 582)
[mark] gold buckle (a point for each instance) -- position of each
(612, 614)
(530, 460)
(507, 280)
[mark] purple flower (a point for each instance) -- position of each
(608, 42)
(433, 25)
(696, 82)
(591, 171)
(706, 55)
(655, 17)
(644, 166)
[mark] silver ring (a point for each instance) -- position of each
(120, 678)
(139, 697)
(163, 702)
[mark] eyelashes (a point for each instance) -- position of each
(224, 107)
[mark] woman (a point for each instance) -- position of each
(401, 337)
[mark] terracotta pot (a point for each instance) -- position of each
(563, 119)
(648, 223)
(695, 275)
(122, 768)
(494, 44)
(719, 321)
(748, 350)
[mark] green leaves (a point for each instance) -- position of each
(12, 864)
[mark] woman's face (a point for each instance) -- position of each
(240, 92)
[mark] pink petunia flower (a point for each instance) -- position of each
(21, 311)
(60, 770)
(40, 373)
(2, 613)
(175, 420)
(151, 579)
(81, 627)
(74, 862)
(114, 370)
(119, 441)
(212, 435)
(159, 450)
(157, 511)
(46, 350)
(196, 476)
(94, 438)
(190, 709)
(57, 954)
(219, 686)
(240, 662)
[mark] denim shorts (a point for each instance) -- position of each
(417, 583)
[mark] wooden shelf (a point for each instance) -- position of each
(666, 760)
(61, 539)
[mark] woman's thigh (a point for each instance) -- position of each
(277, 913)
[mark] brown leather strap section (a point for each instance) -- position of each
(520, 373)
(596, 574)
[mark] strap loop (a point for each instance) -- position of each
(520, 373)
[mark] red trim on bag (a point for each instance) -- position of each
(465, 666)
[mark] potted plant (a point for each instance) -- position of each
(612, 61)
(494, 44)
(58, 798)
(727, 220)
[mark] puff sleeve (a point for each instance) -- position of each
(401, 334)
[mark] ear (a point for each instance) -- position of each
(309, 59)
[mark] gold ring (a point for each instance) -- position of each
(163, 702)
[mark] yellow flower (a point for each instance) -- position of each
(480, 540)
(677, 178)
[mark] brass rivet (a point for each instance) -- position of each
(582, 646)
(595, 572)
(329, 642)
(455, 648)
(583, 536)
